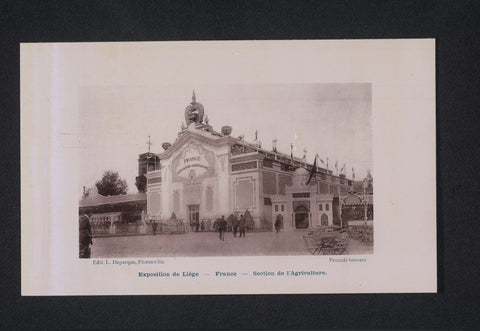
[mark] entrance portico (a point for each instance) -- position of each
(310, 209)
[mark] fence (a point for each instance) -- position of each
(106, 229)
(154, 225)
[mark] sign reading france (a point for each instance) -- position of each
(193, 163)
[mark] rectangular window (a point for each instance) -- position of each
(283, 181)
(269, 182)
(283, 208)
(154, 180)
(244, 166)
(267, 163)
(301, 195)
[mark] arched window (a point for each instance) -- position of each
(320, 207)
(283, 208)
(209, 198)
(324, 220)
(327, 207)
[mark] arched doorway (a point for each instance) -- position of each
(279, 221)
(324, 220)
(301, 217)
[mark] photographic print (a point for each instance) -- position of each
(195, 186)
(232, 167)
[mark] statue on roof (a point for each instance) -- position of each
(194, 111)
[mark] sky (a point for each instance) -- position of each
(332, 120)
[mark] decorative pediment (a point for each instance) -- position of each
(193, 163)
(193, 135)
(304, 203)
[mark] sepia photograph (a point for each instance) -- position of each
(280, 169)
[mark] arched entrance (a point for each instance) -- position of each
(324, 220)
(301, 217)
(279, 221)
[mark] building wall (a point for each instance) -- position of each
(245, 188)
(323, 210)
(188, 174)
(222, 183)
(281, 206)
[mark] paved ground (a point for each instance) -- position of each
(208, 244)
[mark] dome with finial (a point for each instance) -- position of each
(194, 111)
(166, 145)
(226, 130)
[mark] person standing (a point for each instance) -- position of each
(235, 226)
(154, 228)
(222, 226)
(278, 224)
(242, 226)
(85, 237)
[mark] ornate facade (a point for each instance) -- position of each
(205, 174)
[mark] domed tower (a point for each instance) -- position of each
(194, 112)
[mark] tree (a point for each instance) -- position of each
(111, 184)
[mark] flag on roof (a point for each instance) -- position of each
(313, 171)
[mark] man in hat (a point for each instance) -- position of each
(85, 236)
(242, 225)
(222, 226)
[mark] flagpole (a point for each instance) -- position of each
(291, 153)
(313, 170)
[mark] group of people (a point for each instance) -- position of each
(238, 226)
(200, 226)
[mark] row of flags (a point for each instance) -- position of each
(314, 168)
(343, 169)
